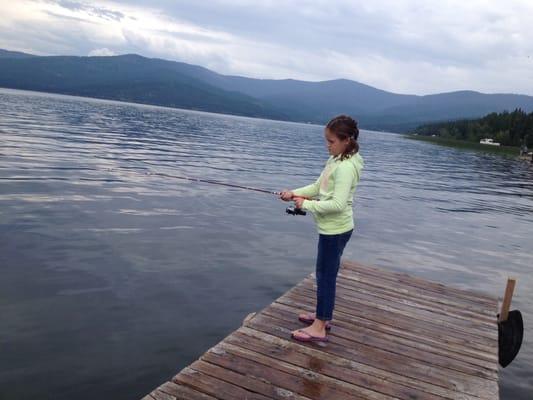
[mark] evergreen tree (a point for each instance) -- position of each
(508, 128)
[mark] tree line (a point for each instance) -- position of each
(508, 128)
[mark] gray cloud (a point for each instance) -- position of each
(92, 10)
(403, 46)
(66, 17)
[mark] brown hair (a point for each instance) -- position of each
(345, 127)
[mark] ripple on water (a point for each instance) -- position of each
(104, 251)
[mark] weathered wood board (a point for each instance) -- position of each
(394, 336)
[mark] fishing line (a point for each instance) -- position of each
(289, 210)
(213, 182)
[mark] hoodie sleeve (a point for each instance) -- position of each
(311, 190)
(345, 174)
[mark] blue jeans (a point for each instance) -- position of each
(330, 248)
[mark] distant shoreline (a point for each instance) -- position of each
(508, 151)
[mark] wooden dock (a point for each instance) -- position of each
(394, 336)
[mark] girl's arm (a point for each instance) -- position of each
(311, 190)
(344, 178)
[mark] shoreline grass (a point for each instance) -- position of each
(509, 151)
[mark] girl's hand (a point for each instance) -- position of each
(299, 201)
(286, 195)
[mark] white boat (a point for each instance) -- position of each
(489, 141)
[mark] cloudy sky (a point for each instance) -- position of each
(403, 46)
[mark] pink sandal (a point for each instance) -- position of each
(309, 319)
(308, 337)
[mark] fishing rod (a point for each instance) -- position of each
(289, 210)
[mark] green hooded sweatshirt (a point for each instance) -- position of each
(335, 188)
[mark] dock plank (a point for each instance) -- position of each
(181, 392)
(403, 278)
(460, 312)
(339, 368)
(414, 291)
(411, 323)
(479, 327)
(394, 336)
(387, 360)
(231, 367)
(215, 387)
(414, 348)
(297, 380)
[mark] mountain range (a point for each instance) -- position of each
(135, 78)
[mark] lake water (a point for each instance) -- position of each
(115, 276)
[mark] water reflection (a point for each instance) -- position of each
(123, 276)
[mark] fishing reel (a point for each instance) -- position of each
(295, 211)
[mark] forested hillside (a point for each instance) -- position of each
(508, 128)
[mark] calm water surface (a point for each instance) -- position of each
(113, 277)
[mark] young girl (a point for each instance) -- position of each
(333, 216)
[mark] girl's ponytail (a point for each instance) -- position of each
(345, 127)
